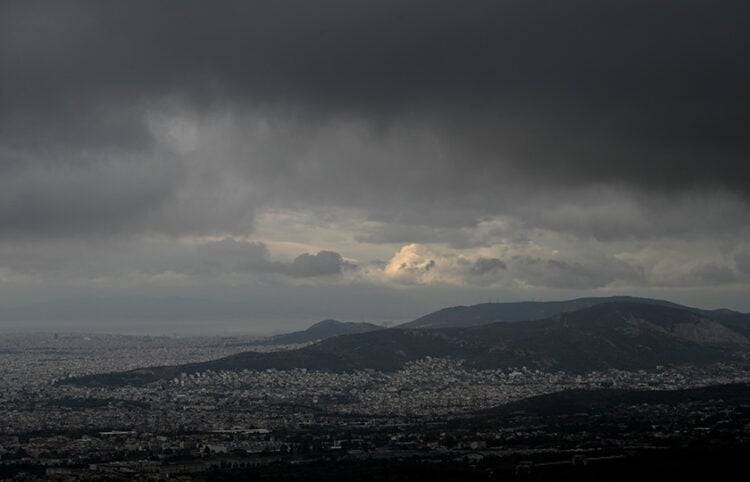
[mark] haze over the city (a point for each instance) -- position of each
(229, 166)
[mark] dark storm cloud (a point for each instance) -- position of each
(254, 257)
(651, 94)
(486, 271)
(325, 263)
(483, 266)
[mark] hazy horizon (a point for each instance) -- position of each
(171, 328)
(179, 326)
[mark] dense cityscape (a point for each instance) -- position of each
(210, 420)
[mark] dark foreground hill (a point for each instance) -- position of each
(626, 335)
(596, 401)
(486, 313)
(320, 331)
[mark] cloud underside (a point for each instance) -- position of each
(580, 145)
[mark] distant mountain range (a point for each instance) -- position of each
(319, 331)
(486, 313)
(631, 334)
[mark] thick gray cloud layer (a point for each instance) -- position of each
(620, 122)
(651, 94)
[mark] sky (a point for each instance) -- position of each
(265, 164)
